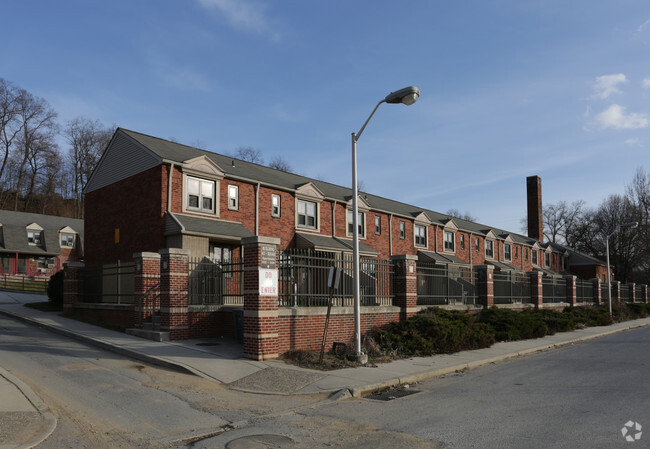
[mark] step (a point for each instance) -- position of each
(149, 334)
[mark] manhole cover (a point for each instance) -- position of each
(207, 344)
(391, 394)
(265, 441)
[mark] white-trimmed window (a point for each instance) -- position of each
(507, 251)
(34, 238)
(516, 252)
(233, 197)
(402, 230)
(377, 225)
(478, 245)
(361, 221)
(462, 241)
(489, 249)
(307, 214)
(420, 235)
(200, 195)
(67, 240)
(547, 259)
(534, 256)
(275, 205)
(449, 241)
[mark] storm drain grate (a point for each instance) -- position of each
(391, 394)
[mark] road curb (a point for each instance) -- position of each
(358, 392)
(38, 404)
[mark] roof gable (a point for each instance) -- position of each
(203, 165)
(310, 191)
(34, 227)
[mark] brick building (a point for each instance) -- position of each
(148, 193)
(38, 245)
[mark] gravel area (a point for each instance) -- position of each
(276, 380)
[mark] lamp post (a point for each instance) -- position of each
(407, 96)
(632, 224)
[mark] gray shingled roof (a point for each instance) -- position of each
(440, 258)
(188, 224)
(178, 153)
(323, 242)
(14, 233)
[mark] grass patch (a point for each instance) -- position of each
(46, 306)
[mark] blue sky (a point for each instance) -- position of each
(509, 88)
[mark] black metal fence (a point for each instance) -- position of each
(108, 284)
(554, 289)
(584, 291)
(23, 283)
(215, 283)
(625, 293)
(445, 284)
(511, 287)
(303, 279)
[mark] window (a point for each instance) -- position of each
(462, 241)
(67, 240)
(200, 195)
(377, 225)
(46, 262)
(221, 254)
(516, 252)
(449, 241)
(233, 197)
(507, 252)
(547, 259)
(420, 235)
(534, 256)
(526, 254)
(307, 214)
(478, 245)
(402, 230)
(275, 205)
(34, 238)
(489, 249)
(361, 221)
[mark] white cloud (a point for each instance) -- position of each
(606, 85)
(243, 14)
(642, 26)
(615, 117)
(646, 83)
(633, 142)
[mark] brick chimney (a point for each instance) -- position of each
(534, 197)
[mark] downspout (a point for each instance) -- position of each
(169, 188)
(334, 219)
(390, 234)
(257, 209)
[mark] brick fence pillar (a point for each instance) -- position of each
(485, 285)
(261, 297)
(616, 292)
(72, 285)
(405, 284)
(644, 294)
(147, 275)
(632, 289)
(597, 295)
(174, 270)
(537, 288)
(571, 290)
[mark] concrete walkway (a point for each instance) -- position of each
(222, 360)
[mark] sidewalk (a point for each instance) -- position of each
(222, 360)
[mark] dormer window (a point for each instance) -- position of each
(449, 241)
(200, 195)
(67, 240)
(34, 238)
(361, 222)
(489, 249)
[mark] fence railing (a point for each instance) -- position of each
(110, 284)
(624, 293)
(584, 291)
(303, 276)
(215, 283)
(24, 283)
(511, 287)
(554, 289)
(442, 285)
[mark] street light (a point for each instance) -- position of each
(632, 224)
(407, 96)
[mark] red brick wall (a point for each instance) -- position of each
(136, 207)
(282, 227)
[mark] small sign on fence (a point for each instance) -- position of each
(268, 254)
(268, 282)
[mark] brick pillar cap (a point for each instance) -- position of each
(73, 265)
(260, 239)
(174, 251)
(535, 273)
(484, 267)
(404, 257)
(146, 255)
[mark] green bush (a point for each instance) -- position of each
(557, 321)
(637, 310)
(510, 325)
(55, 289)
(590, 316)
(435, 331)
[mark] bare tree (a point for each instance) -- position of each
(279, 163)
(38, 122)
(10, 124)
(463, 216)
(87, 140)
(249, 154)
(560, 220)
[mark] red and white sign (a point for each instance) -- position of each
(268, 282)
